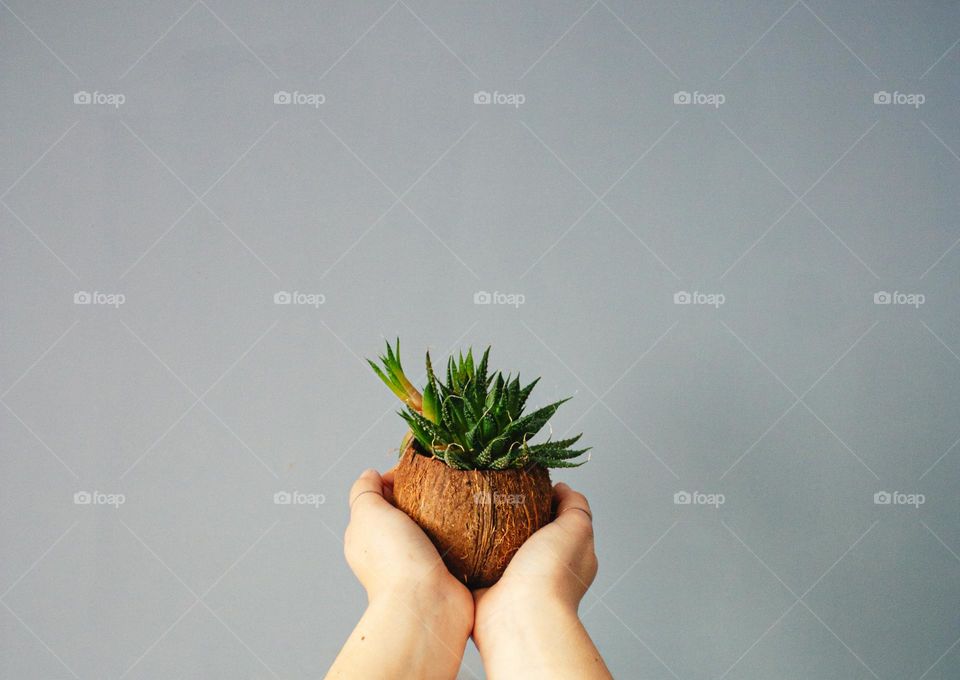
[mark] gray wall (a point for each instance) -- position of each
(196, 197)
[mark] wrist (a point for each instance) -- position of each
(444, 607)
(542, 641)
(528, 642)
(523, 622)
(406, 632)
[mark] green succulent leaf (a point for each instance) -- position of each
(474, 419)
(531, 423)
(431, 405)
(482, 369)
(525, 392)
(550, 463)
(389, 381)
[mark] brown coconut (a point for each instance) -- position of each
(477, 519)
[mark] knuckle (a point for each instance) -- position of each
(592, 564)
(577, 499)
(581, 523)
(588, 529)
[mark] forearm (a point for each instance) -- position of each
(548, 643)
(397, 638)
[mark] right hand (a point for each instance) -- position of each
(551, 571)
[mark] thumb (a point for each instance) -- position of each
(366, 491)
(573, 510)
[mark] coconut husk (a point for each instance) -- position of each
(477, 519)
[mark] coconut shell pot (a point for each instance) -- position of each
(477, 519)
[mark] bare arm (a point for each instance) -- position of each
(403, 637)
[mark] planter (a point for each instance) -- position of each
(477, 519)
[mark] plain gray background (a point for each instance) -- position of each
(398, 198)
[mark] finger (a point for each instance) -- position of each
(367, 489)
(387, 478)
(572, 507)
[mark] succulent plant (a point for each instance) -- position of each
(474, 420)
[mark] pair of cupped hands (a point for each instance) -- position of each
(403, 574)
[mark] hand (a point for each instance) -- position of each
(526, 624)
(556, 565)
(392, 557)
(418, 616)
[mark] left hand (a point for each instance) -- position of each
(393, 558)
(419, 616)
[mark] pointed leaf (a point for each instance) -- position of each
(531, 423)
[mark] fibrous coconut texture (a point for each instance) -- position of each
(477, 519)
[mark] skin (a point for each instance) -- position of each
(526, 625)
(419, 616)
